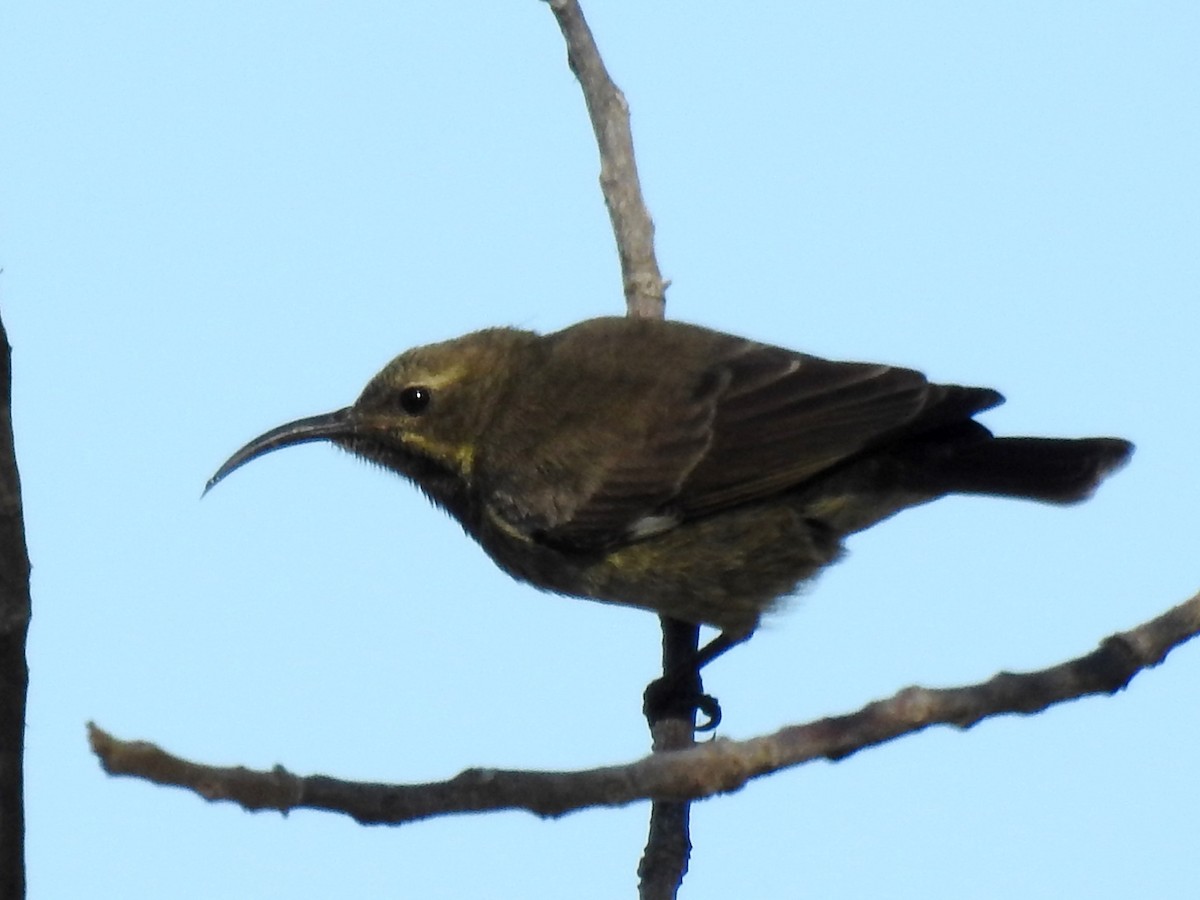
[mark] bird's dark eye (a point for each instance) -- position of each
(413, 400)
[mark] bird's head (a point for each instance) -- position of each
(421, 416)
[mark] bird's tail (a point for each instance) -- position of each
(963, 458)
(1052, 470)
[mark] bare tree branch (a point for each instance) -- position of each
(668, 847)
(609, 113)
(14, 623)
(719, 766)
(669, 844)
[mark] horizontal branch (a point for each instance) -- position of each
(715, 767)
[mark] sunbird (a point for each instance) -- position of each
(675, 468)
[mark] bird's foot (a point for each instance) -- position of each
(680, 695)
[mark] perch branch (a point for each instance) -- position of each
(668, 847)
(719, 766)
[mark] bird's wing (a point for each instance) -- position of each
(591, 452)
(785, 417)
(703, 429)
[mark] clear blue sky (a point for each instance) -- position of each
(217, 217)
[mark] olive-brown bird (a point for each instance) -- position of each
(674, 468)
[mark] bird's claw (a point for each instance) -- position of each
(673, 697)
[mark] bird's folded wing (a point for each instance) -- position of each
(750, 421)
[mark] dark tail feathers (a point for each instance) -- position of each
(1053, 470)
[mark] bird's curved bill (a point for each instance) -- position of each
(315, 428)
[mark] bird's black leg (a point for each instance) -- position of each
(718, 645)
(680, 692)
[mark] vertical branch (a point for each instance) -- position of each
(668, 847)
(609, 114)
(14, 623)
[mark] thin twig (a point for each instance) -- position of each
(718, 766)
(609, 114)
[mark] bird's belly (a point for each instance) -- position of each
(725, 570)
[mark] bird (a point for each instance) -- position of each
(679, 469)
